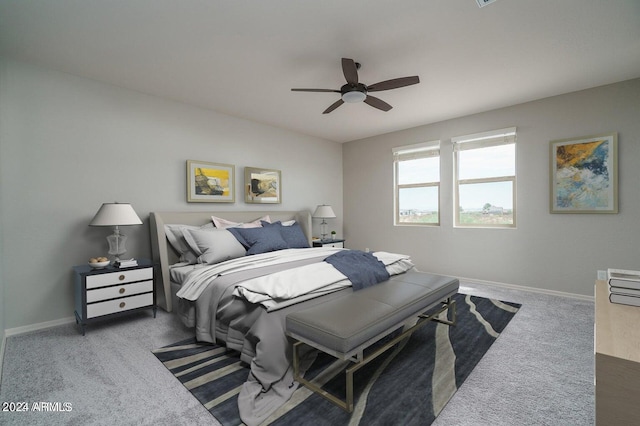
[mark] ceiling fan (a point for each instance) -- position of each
(354, 91)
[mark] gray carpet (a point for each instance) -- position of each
(539, 372)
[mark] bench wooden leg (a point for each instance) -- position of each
(448, 305)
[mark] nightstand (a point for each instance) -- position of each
(110, 292)
(329, 243)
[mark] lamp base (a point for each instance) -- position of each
(117, 244)
(323, 229)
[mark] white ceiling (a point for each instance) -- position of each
(242, 57)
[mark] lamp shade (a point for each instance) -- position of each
(324, 211)
(115, 214)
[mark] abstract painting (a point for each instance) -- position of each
(262, 186)
(210, 182)
(584, 175)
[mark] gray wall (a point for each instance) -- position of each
(69, 144)
(546, 251)
(2, 310)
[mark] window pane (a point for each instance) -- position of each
(486, 203)
(493, 161)
(421, 170)
(418, 205)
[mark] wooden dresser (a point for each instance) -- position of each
(617, 360)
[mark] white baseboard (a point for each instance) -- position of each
(37, 327)
(531, 289)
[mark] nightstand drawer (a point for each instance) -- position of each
(120, 277)
(106, 293)
(336, 245)
(119, 305)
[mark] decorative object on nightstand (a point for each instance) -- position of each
(324, 212)
(103, 293)
(99, 262)
(116, 214)
(125, 263)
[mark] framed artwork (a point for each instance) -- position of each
(584, 175)
(262, 186)
(210, 182)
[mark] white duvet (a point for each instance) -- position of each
(280, 289)
(198, 280)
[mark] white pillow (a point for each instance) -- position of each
(288, 222)
(213, 246)
(175, 235)
(224, 223)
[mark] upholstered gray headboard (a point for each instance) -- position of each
(164, 255)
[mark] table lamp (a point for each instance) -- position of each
(324, 212)
(116, 214)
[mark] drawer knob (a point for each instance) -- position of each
(122, 290)
(122, 304)
(121, 277)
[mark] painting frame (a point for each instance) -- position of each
(262, 186)
(210, 182)
(584, 174)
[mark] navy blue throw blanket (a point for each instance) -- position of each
(362, 269)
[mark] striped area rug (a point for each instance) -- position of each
(408, 385)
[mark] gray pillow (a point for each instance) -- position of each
(175, 236)
(213, 246)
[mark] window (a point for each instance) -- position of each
(417, 184)
(485, 179)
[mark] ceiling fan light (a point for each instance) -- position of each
(354, 96)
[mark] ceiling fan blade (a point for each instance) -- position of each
(377, 103)
(393, 84)
(315, 90)
(350, 71)
(333, 106)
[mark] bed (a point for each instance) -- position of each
(165, 256)
(242, 301)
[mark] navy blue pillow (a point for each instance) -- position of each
(259, 240)
(293, 234)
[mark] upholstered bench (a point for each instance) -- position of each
(346, 326)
